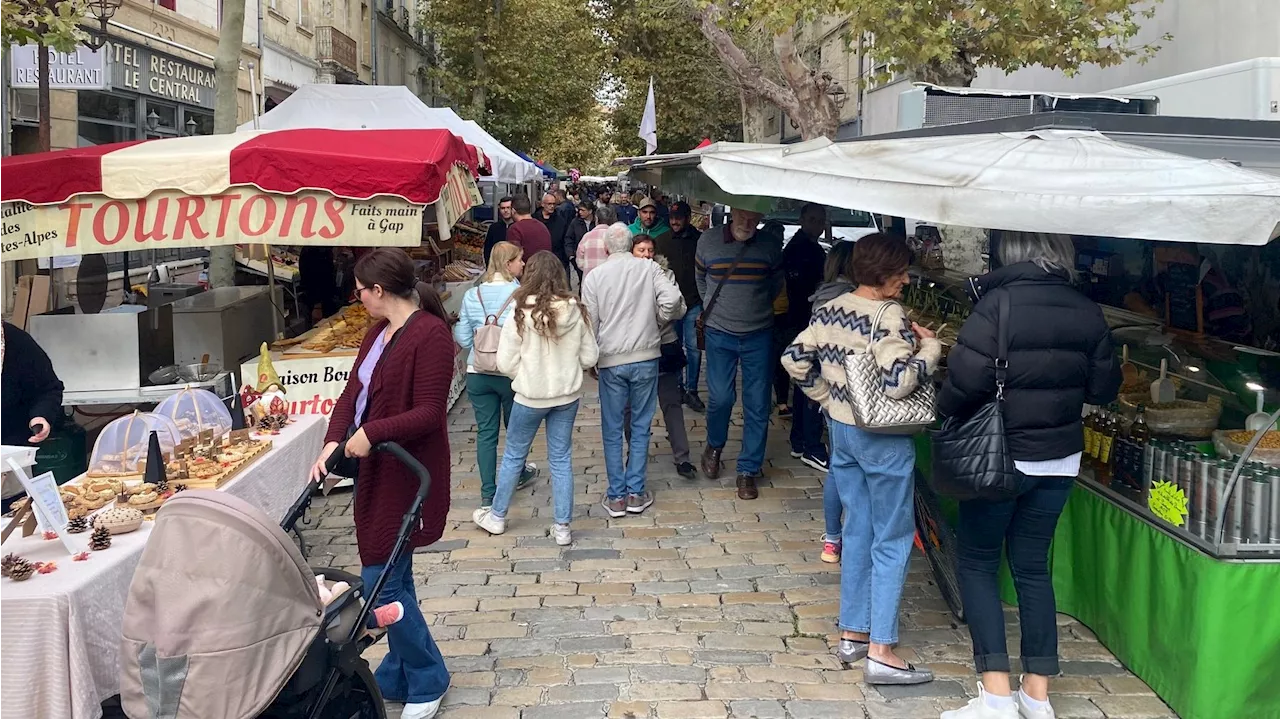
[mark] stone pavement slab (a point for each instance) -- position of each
(703, 607)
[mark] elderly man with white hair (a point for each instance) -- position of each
(628, 299)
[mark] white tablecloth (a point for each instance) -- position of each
(60, 644)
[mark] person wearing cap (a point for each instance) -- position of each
(648, 222)
(680, 247)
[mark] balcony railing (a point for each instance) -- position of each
(334, 46)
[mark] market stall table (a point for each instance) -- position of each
(61, 631)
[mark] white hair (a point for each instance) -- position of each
(1047, 251)
(617, 238)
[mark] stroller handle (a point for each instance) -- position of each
(395, 450)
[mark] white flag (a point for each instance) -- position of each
(649, 124)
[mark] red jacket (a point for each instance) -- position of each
(408, 395)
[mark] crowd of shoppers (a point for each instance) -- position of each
(655, 296)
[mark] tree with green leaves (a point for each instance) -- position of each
(529, 68)
(938, 41)
(52, 24)
(694, 98)
(580, 142)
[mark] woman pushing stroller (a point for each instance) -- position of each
(399, 393)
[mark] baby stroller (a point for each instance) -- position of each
(224, 620)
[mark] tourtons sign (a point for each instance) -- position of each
(92, 224)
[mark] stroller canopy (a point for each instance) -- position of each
(221, 611)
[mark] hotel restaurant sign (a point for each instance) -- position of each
(120, 65)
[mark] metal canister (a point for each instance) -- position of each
(1187, 480)
(1273, 480)
(1199, 504)
(1233, 507)
(1148, 471)
(1257, 508)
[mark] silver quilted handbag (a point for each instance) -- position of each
(873, 410)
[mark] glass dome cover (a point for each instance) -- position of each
(195, 410)
(121, 449)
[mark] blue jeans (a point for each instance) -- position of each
(521, 430)
(806, 425)
(1024, 527)
(832, 510)
(873, 474)
(413, 670)
(688, 335)
(634, 384)
(724, 352)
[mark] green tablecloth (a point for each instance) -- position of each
(1204, 634)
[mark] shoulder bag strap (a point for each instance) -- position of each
(711, 303)
(480, 296)
(875, 322)
(1002, 351)
(503, 308)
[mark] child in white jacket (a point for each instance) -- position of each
(545, 347)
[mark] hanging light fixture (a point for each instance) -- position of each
(102, 11)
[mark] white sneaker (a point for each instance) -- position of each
(1026, 711)
(485, 520)
(423, 710)
(562, 534)
(978, 709)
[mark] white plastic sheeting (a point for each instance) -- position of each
(1066, 181)
(388, 107)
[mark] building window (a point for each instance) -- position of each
(304, 14)
(105, 118)
(171, 4)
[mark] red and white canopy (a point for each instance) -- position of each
(352, 164)
(299, 187)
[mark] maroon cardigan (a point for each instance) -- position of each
(408, 395)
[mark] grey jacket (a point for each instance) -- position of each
(828, 291)
(628, 300)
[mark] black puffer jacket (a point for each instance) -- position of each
(1060, 357)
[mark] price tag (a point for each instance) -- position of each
(1167, 502)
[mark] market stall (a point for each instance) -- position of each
(61, 630)
(376, 188)
(1169, 549)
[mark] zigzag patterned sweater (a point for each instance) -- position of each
(843, 326)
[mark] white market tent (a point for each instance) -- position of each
(1073, 182)
(388, 107)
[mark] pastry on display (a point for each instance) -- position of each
(120, 452)
(119, 520)
(144, 498)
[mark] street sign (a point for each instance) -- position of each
(83, 69)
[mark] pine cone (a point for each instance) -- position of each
(179, 488)
(78, 525)
(162, 486)
(100, 539)
(21, 570)
(7, 563)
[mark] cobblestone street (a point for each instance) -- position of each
(703, 607)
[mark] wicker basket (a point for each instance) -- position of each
(1184, 418)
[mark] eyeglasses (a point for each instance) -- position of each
(360, 292)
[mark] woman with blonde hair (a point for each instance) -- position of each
(544, 349)
(489, 302)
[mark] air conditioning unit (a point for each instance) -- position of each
(927, 105)
(25, 107)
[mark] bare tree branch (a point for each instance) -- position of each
(748, 74)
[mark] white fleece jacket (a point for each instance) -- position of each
(547, 371)
(629, 299)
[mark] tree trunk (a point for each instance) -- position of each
(226, 71)
(817, 115)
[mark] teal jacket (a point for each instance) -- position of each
(471, 316)
(659, 228)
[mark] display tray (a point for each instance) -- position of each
(229, 473)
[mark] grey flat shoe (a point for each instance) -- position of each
(851, 650)
(877, 673)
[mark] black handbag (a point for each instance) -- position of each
(971, 457)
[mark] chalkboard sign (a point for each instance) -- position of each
(1184, 302)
